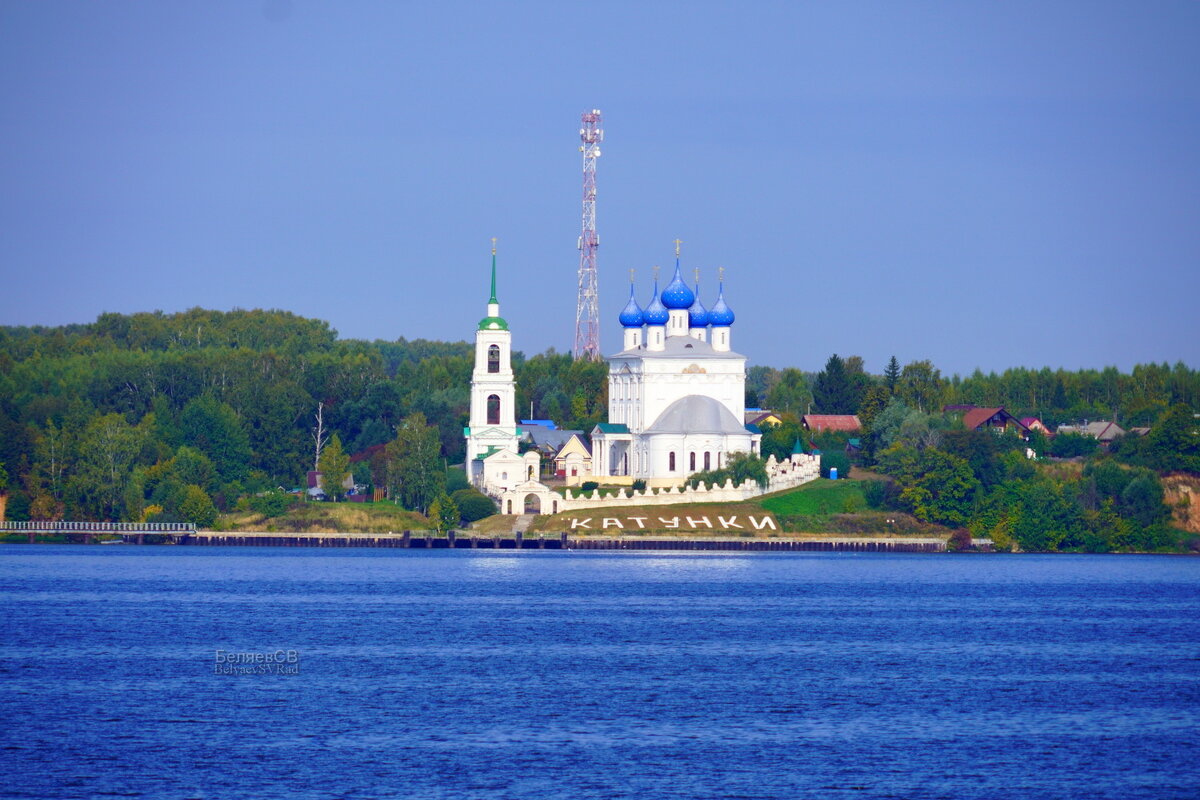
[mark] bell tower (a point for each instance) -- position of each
(493, 421)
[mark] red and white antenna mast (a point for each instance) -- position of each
(587, 309)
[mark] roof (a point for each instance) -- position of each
(750, 426)
(1104, 430)
(679, 347)
(612, 427)
(577, 437)
(977, 417)
(546, 437)
(545, 423)
(831, 422)
(761, 417)
(696, 414)
(1027, 421)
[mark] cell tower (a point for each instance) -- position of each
(587, 309)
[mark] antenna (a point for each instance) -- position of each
(587, 308)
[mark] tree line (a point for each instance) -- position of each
(187, 414)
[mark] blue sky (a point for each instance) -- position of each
(981, 184)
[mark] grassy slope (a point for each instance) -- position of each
(329, 518)
(818, 507)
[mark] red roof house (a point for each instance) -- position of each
(831, 422)
(994, 419)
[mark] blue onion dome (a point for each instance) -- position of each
(677, 294)
(697, 314)
(632, 316)
(721, 314)
(656, 312)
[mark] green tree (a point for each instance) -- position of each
(1070, 445)
(833, 391)
(935, 486)
(415, 473)
(921, 386)
(891, 375)
(473, 505)
(191, 466)
(874, 401)
(334, 466)
(213, 428)
(108, 448)
(790, 394)
(197, 507)
(443, 513)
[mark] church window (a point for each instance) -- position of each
(707, 463)
(671, 462)
(691, 462)
(493, 409)
(494, 358)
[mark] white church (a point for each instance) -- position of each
(676, 399)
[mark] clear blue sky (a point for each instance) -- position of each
(981, 184)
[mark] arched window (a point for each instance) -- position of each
(493, 409)
(494, 358)
(707, 463)
(671, 462)
(691, 462)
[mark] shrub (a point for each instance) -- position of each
(473, 505)
(960, 539)
(589, 486)
(875, 493)
(639, 485)
(270, 504)
(1070, 445)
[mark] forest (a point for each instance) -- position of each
(186, 414)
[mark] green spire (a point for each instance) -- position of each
(493, 298)
(797, 448)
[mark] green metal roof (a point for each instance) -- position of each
(612, 427)
(493, 324)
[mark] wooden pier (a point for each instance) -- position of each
(561, 541)
(186, 534)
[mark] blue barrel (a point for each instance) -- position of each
(833, 473)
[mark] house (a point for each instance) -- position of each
(547, 440)
(314, 484)
(1035, 424)
(996, 420)
(853, 447)
(762, 416)
(1102, 431)
(573, 461)
(831, 422)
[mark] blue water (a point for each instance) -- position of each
(566, 675)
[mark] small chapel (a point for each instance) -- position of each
(676, 397)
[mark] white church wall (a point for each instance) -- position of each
(784, 475)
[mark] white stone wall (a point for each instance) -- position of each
(781, 475)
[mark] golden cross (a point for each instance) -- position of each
(656, 272)
(677, 243)
(720, 273)
(493, 245)
(697, 276)
(631, 274)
